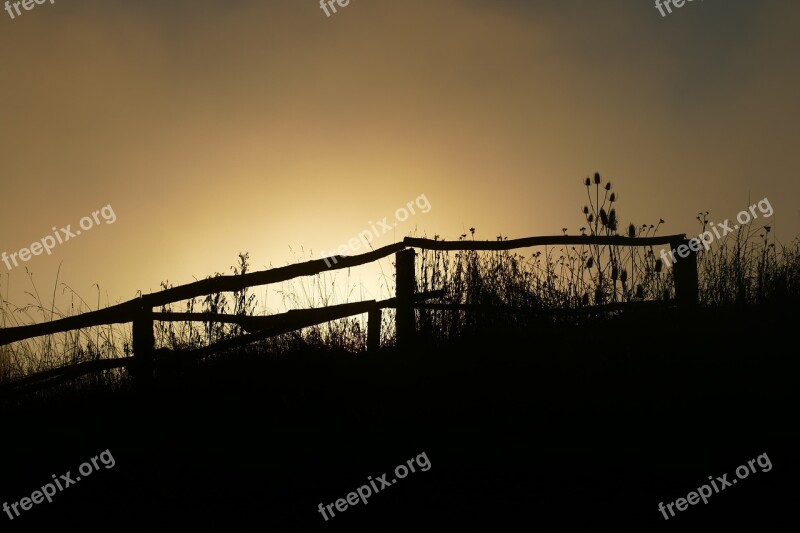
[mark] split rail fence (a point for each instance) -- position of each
(140, 311)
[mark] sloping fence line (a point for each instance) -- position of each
(140, 313)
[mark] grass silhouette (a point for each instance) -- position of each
(747, 268)
(561, 420)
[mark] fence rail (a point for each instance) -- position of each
(140, 311)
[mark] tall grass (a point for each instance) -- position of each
(302, 293)
(553, 278)
(747, 268)
(52, 351)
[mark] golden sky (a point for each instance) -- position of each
(214, 127)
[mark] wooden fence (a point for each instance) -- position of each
(140, 311)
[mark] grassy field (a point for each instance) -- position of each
(749, 267)
(529, 422)
(555, 430)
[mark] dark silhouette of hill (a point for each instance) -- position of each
(560, 428)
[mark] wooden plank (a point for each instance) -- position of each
(116, 314)
(404, 290)
(527, 242)
(144, 345)
(299, 320)
(62, 374)
(266, 277)
(684, 272)
(263, 322)
(603, 308)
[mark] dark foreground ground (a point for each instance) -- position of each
(569, 429)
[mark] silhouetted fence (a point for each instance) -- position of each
(140, 311)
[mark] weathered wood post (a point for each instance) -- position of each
(374, 330)
(144, 342)
(687, 293)
(406, 286)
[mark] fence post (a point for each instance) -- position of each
(685, 274)
(143, 343)
(374, 330)
(406, 286)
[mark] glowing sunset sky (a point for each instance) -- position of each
(214, 127)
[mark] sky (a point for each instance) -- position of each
(214, 127)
